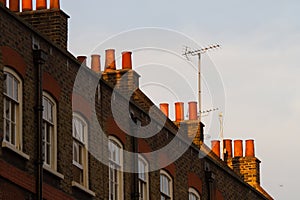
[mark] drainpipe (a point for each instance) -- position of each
(210, 177)
(135, 189)
(39, 57)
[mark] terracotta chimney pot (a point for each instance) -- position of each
(193, 110)
(110, 62)
(238, 148)
(26, 5)
(215, 146)
(82, 60)
(126, 60)
(164, 107)
(250, 148)
(95, 63)
(41, 4)
(14, 5)
(55, 4)
(228, 146)
(179, 110)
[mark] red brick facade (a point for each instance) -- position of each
(18, 170)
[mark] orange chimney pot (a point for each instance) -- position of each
(179, 110)
(82, 59)
(164, 107)
(215, 146)
(238, 148)
(14, 5)
(41, 4)
(26, 5)
(193, 110)
(95, 63)
(250, 148)
(110, 62)
(55, 4)
(228, 147)
(126, 60)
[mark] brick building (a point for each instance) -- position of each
(51, 146)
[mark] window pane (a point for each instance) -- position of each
(10, 86)
(15, 87)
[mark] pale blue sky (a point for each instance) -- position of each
(258, 63)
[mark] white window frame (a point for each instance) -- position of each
(17, 144)
(115, 170)
(194, 194)
(82, 142)
(52, 126)
(143, 178)
(163, 194)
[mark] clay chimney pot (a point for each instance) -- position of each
(238, 148)
(228, 147)
(54, 4)
(193, 110)
(26, 5)
(95, 63)
(250, 148)
(41, 4)
(179, 110)
(126, 60)
(215, 146)
(110, 63)
(164, 107)
(14, 5)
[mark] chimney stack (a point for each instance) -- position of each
(82, 60)
(53, 25)
(215, 146)
(193, 110)
(179, 110)
(95, 63)
(54, 4)
(110, 63)
(41, 4)
(238, 148)
(250, 148)
(164, 107)
(126, 60)
(26, 5)
(14, 5)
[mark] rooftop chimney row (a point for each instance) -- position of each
(110, 63)
(14, 5)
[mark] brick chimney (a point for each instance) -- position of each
(113, 76)
(248, 166)
(51, 22)
(193, 127)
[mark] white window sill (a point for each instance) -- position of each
(77, 165)
(52, 171)
(11, 147)
(77, 185)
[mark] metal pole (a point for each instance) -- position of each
(199, 85)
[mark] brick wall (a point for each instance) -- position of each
(61, 68)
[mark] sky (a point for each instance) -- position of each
(256, 68)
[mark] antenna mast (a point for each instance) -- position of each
(198, 52)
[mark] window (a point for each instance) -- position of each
(49, 131)
(115, 169)
(12, 110)
(143, 178)
(80, 153)
(166, 187)
(193, 194)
